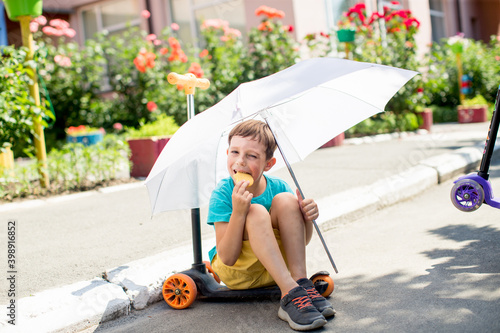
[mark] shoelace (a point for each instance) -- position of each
(313, 293)
(302, 302)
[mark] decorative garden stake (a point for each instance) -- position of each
(23, 11)
(458, 49)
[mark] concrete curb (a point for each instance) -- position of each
(70, 308)
(137, 284)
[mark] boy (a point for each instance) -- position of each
(262, 229)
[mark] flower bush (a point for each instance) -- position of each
(17, 107)
(71, 75)
(480, 61)
(388, 38)
(271, 47)
(74, 167)
(221, 57)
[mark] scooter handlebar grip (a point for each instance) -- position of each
(188, 79)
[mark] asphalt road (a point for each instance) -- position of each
(77, 237)
(417, 266)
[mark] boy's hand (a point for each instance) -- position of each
(241, 198)
(308, 207)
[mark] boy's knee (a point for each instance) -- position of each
(257, 216)
(284, 200)
(257, 211)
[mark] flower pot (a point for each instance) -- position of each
(87, 139)
(17, 8)
(427, 119)
(336, 141)
(144, 153)
(472, 114)
(346, 35)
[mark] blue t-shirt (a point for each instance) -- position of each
(221, 204)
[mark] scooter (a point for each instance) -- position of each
(182, 289)
(470, 191)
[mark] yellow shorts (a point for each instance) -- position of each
(247, 272)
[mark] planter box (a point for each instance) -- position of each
(336, 141)
(427, 119)
(472, 114)
(87, 139)
(144, 153)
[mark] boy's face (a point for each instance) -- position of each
(248, 156)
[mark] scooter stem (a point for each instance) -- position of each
(490, 140)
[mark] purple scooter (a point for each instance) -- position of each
(469, 192)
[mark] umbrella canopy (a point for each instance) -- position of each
(306, 105)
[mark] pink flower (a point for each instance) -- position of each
(150, 37)
(34, 26)
(41, 20)
(395, 3)
(62, 61)
(146, 14)
(70, 32)
(174, 26)
(151, 106)
(51, 31)
(157, 42)
(214, 23)
(118, 126)
(58, 23)
(163, 51)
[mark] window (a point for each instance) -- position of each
(437, 20)
(189, 15)
(113, 16)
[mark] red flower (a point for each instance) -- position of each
(163, 51)
(146, 14)
(195, 69)
(265, 26)
(151, 106)
(269, 12)
(203, 53)
(143, 60)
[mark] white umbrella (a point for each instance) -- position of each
(306, 105)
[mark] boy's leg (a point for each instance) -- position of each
(286, 216)
(295, 306)
(259, 231)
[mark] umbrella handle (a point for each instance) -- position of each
(189, 81)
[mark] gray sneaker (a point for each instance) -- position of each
(296, 308)
(323, 306)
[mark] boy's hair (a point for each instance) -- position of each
(256, 130)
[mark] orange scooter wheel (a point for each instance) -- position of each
(179, 291)
(211, 271)
(327, 279)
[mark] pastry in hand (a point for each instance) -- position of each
(239, 176)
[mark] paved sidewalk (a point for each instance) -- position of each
(66, 243)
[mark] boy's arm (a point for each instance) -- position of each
(229, 236)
